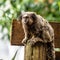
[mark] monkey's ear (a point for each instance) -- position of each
(33, 16)
(19, 17)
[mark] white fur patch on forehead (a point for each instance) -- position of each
(28, 13)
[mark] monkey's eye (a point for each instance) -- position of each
(26, 17)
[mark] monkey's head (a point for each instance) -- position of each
(28, 18)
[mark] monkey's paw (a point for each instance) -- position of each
(32, 42)
(24, 41)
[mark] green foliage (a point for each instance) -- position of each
(10, 9)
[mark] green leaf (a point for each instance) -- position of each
(14, 55)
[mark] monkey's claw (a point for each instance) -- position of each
(24, 41)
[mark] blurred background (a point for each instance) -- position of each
(11, 9)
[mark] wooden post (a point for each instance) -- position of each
(36, 52)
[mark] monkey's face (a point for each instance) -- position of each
(28, 18)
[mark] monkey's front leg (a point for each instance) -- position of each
(24, 41)
(25, 28)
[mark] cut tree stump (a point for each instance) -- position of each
(35, 52)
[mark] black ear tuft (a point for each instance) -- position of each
(33, 16)
(19, 17)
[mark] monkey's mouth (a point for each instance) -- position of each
(25, 22)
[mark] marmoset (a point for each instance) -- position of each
(35, 26)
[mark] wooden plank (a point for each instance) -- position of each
(28, 52)
(57, 55)
(56, 27)
(17, 33)
(36, 52)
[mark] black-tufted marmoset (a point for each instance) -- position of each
(35, 26)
